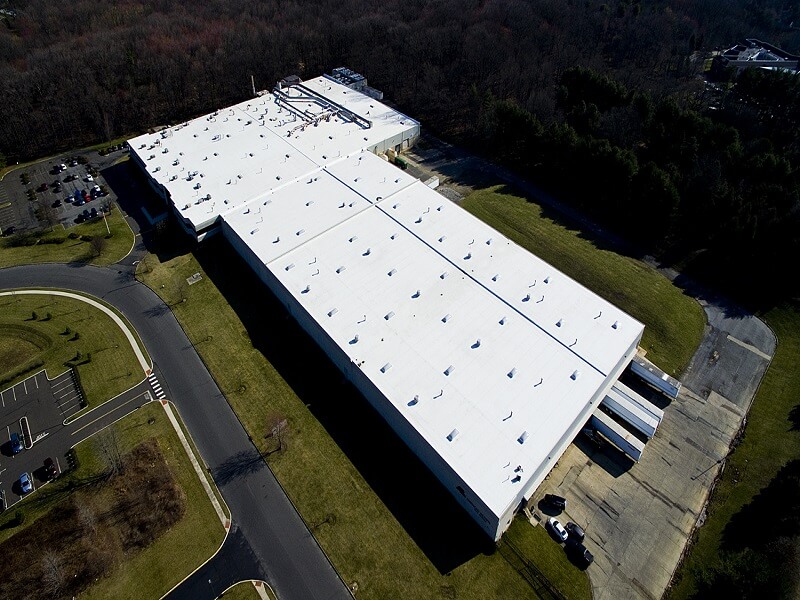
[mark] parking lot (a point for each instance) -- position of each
(61, 190)
(31, 410)
(42, 412)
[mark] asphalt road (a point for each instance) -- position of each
(268, 541)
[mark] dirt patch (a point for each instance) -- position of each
(87, 535)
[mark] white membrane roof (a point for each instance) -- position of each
(450, 341)
(490, 353)
(216, 163)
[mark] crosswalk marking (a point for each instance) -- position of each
(156, 386)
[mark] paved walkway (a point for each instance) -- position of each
(143, 362)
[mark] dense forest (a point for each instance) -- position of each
(601, 102)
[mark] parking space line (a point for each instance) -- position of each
(36, 380)
(24, 386)
(15, 394)
(68, 392)
(68, 400)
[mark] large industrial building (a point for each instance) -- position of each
(483, 358)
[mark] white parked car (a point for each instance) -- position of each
(89, 178)
(557, 528)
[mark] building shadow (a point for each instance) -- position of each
(444, 531)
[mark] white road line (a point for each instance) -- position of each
(25, 386)
(105, 415)
(750, 347)
(36, 380)
(3, 400)
(15, 394)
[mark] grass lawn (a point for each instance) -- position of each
(26, 342)
(361, 503)
(242, 591)
(771, 440)
(673, 321)
(153, 571)
(72, 250)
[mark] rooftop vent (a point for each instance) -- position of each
(354, 340)
(575, 375)
(443, 275)
(523, 436)
(413, 401)
(477, 344)
(332, 312)
(388, 315)
(353, 239)
(452, 435)
(449, 370)
(468, 256)
(526, 298)
(446, 318)
(502, 321)
(340, 269)
(419, 220)
(386, 367)
(511, 373)
(559, 323)
(547, 279)
(443, 238)
(392, 272)
(416, 294)
(289, 266)
(367, 252)
(306, 289)
(439, 208)
(496, 277)
(300, 232)
(615, 325)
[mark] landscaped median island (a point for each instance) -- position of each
(90, 243)
(673, 321)
(56, 333)
(748, 545)
(130, 522)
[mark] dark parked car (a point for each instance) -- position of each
(50, 468)
(576, 533)
(16, 443)
(42, 188)
(57, 203)
(580, 554)
(93, 213)
(558, 502)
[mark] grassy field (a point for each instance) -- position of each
(73, 250)
(673, 321)
(241, 591)
(361, 504)
(153, 571)
(772, 439)
(25, 342)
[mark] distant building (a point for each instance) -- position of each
(482, 357)
(754, 54)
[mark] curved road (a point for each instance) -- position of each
(268, 540)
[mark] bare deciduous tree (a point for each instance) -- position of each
(87, 519)
(108, 446)
(53, 574)
(277, 428)
(98, 244)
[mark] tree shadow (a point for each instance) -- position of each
(794, 417)
(442, 529)
(239, 465)
(770, 515)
